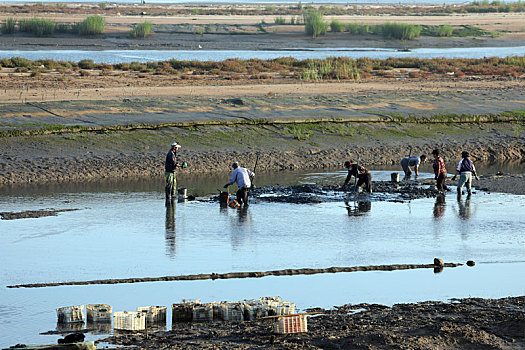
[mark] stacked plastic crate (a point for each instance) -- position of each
(129, 320)
(71, 314)
(99, 313)
(155, 315)
(233, 312)
(183, 311)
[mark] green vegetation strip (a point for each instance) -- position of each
(331, 68)
(214, 276)
(517, 117)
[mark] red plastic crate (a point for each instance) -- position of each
(291, 324)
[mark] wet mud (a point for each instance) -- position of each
(213, 276)
(471, 323)
(30, 214)
(311, 194)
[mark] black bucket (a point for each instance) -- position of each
(224, 197)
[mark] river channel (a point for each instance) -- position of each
(126, 230)
(121, 56)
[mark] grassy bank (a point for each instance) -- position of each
(135, 154)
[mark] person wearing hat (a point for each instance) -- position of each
(363, 176)
(440, 171)
(170, 166)
(465, 170)
(242, 177)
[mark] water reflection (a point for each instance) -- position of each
(170, 228)
(69, 327)
(439, 207)
(242, 214)
(464, 211)
(99, 327)
(358, 208)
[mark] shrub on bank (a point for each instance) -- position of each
(92, 25)
(8, 27)
(314, 24)
(356, 28)
(336, 26)
(445, 30)
(141, 30)
(401, 31)
(37, 26)
(86, 64)
(279, 20)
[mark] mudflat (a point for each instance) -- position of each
(460, 324)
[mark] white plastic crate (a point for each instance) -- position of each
(98, 313)
(268, 306)
(181, 312)
(251, 310)
(202, 312)
(154, 314)
(291, 324)
(129, 320)
(217, 309)
(233, 312)
(70, 314)
(285, 308)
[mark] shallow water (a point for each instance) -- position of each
(128, 232)
(120, 56)
(266, 1)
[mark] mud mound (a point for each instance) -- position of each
(312, 194)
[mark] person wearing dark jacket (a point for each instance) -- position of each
(465, 170)
(170, 167)
(362, 175)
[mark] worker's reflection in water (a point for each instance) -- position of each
(439, 207)
(170, 228)
(358, 208)
(464, 208)
(243, 214)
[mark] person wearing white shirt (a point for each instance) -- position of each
(243, 177)
(465, 170)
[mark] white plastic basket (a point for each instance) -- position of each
(233, 312)
(202, 312)
(70, 314)
(285, 308)
(98, 313)
(291, 324)
(154, 314)
(129, 320)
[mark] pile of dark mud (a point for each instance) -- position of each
(312, 194)
(9, 215)
(471, 323)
